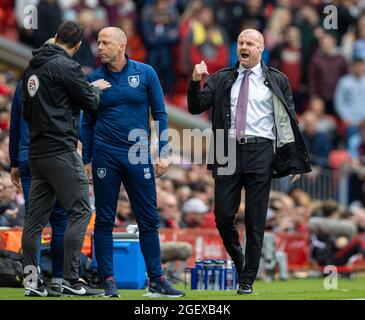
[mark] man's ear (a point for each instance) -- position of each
(77, 47)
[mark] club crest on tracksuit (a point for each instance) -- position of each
(33, 85)
(101, 172)
(133, 81)
(147, 173)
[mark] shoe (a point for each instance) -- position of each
(41, 291)
(110, 289)
(80, 288)
(244, 288)
(163, 288)
(54, 293)
(56, 287)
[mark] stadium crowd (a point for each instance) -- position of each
(326, 69)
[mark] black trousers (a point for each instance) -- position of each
(63, 177)
(253, 172)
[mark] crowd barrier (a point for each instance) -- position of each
(206, 244)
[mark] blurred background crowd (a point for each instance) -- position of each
(326, 69)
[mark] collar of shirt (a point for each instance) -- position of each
(104, 67)
(256, 70)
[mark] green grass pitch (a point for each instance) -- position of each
(294, 289)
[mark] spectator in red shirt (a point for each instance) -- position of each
(5, 89)
(189, 17)
(8, 26)
(288, 58)
(208, 42)
(135, 47)
(214, 53)
(170, 214)
(194, 212)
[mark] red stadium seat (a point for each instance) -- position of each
(180, 101)
(337, 158)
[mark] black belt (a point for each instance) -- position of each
(247, 140)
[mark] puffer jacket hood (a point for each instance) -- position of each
(46, 53)
(54, 91)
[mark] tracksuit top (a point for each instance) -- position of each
(134, 92)
(19, 131)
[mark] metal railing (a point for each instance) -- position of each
(322, 183)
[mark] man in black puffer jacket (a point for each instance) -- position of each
(53, 84)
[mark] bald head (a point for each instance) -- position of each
(250, 45)
(254, 34)
(114, 33)
(111, 45)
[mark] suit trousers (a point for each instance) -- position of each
(253, 173)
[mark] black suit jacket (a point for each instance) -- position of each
(291, 157)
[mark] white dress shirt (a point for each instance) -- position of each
(260, 114)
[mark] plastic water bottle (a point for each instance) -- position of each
(229, 279)
(208, 274)
(199, 274)
(218, 274)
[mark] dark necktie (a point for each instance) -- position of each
(241, 110)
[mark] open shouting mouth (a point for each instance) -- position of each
(245, 55)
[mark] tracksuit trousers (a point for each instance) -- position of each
(59, 177)
(110, 169)
(58, 222)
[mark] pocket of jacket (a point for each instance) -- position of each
(283, 157)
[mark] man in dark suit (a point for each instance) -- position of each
(253, 106)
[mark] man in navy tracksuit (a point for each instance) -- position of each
(125, 106)
(20, 171)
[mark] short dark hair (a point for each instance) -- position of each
(329, 207)
(69, 33)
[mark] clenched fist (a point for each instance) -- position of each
(199, 71)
